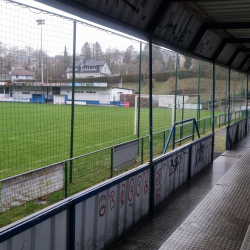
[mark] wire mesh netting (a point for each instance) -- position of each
(75, 105)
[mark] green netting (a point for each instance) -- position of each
(46, 119)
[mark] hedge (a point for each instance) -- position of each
(159, 77)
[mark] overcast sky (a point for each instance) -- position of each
(18, 27)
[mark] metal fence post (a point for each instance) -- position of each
(193, 131)
(173, 146)
(211, 110)
(204, 127)
(164, 139)
(112, 162)
(72, 104)
(66, 179)
(142, 150)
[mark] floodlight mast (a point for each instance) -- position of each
(41, 22)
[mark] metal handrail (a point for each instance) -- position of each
(172, 131)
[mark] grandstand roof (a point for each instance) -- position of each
(216, 31)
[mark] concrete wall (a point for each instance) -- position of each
(29, 186)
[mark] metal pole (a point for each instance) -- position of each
(72, 102)
(241, 95)
(176, 79)
(199, 82)
(150, 102)
(152, 175)
(247, 99)
(41, 22)
(139, 101)
(42, 50)
(211, 110)
(182, 117)
(214, 79)
(226, 93)
(228, 101)
(234, 90)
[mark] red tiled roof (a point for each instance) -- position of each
(22, 73)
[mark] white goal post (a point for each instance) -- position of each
(159, 101)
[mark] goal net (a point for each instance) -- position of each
(59, 99)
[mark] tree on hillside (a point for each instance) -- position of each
(86, 52)
(128, 54)
(2, 54)
(66, 59)
(170, 63)
(11, 57)
(187, 63)
(97, 52)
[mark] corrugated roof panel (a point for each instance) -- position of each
(247, 65)
(226, 53)
(240, 33)
(238, 60)
(227, 11)
(179, 26)
(208, 44)
(136, 13)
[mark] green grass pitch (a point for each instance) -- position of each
(36, 135)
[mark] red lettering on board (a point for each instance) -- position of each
(138, 189)
(131, 189)
(102, 205)
(122, 194)
(146, 180)
(158, 185)
(112, 200)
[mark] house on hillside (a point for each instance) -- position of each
(85, 69)
(22, 75)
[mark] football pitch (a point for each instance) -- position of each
(36, 135)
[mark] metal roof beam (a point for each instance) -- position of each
(225, 26)
(158, 16)
(237, 40)
(218, 51)
(198, 37)
(235, 54)
(244, 62)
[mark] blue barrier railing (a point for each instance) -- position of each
(172, 132)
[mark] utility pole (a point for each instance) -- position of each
(41, 22)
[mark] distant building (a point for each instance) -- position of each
(85, 69)
(22, 75)
(4, 75)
